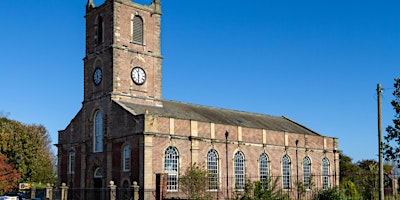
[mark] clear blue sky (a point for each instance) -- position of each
(316, 62)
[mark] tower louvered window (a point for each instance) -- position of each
(137, 30)
(99, 28)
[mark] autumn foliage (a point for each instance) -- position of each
(25, 149)
(8, 175)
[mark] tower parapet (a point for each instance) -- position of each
(90, 5)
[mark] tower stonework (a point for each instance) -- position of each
(112, 48)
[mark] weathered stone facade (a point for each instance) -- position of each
(135, 115)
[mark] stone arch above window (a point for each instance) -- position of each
(98, 173)
(98, 63)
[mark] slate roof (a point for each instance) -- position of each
(179, 110)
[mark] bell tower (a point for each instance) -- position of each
(123, 56)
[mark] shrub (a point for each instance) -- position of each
(195, 182)
(329, 194)
(267, 189)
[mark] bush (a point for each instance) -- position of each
(350, 189)
(195, 182)
(267, 189)
(329, 194)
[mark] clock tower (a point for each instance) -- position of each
(123, 57)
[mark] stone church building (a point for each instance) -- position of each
(125, 131)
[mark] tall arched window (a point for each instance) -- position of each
(212, 168)
(137, 29)
(71, 161)
(286, 172)
(127, 158)
(239, 170)
(264, 169)
(99, 28)
(98, 132)
(325, 173)
(306, 172)
(171, 163)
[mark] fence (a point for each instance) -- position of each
(110, 193)
(291, 187)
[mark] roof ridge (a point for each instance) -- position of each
(284, 117)
(219, 108)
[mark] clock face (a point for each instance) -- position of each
(138, 75)
(97, 76)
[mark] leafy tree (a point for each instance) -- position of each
(8, 175)
(368, 181)
(348, 170)
(349, 189)
(29, 148)
(195, 182)
(392, 139)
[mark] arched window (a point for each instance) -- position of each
(127, 158)
(307, 172)
(71, 161)
(137, 30)
(171, 163)
(212, 168)
(264, 168)
(239, 170)
(125, 192)
(325, 173)
(286, 172)
(99, 28)
(126, 184)
(98, 132)
(98, 173)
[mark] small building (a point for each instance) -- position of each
(125, 131)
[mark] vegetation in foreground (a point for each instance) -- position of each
(25, 154)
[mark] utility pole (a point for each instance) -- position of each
(381, 186)
(297, 170)
(226, 164)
